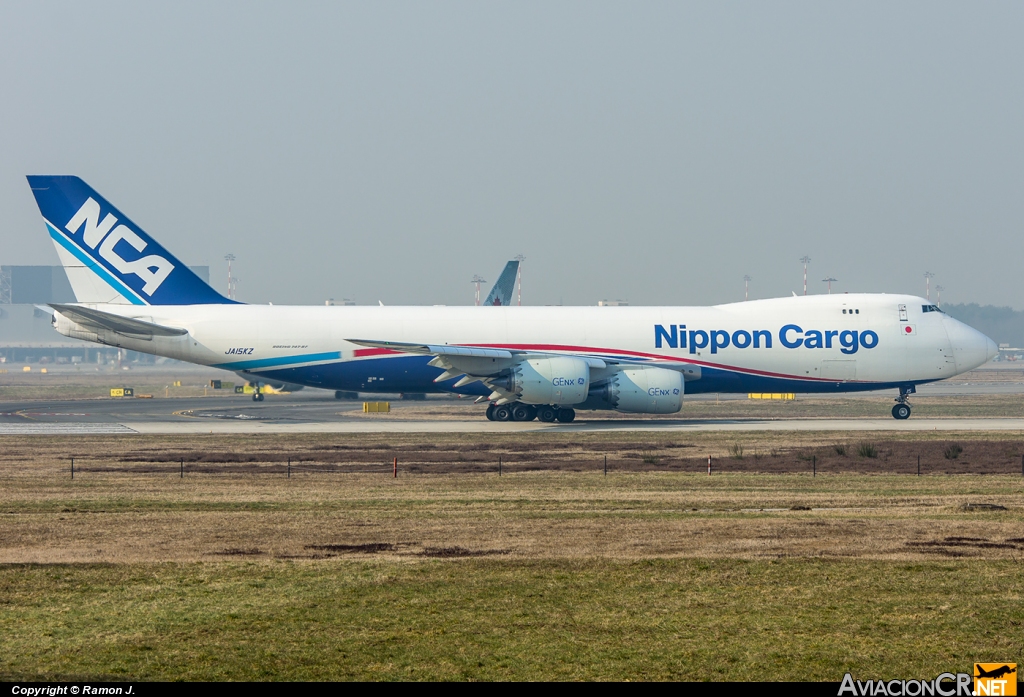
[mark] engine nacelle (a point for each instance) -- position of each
(561, 380)
(643, 391)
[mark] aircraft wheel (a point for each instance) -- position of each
(566, 415)
(490, 412)
(523, 412)
(547, 414)
(901, 411)
(502, 413)
(255, 397)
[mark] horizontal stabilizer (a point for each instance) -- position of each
(97, 319)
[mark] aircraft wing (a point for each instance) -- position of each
(435, 349)
(97, 319)
(489, 365)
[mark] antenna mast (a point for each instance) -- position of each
(231, 279)
(477, 280)
(806, 260)
(519, 278)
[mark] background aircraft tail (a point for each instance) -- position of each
(501, 293)
(107, 257)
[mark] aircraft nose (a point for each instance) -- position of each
(971, 348)
(993, 349)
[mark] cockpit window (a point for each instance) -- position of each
(930, 308)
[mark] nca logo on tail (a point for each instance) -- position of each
(152, 269)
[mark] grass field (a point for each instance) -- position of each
(488, 619)
(131, 572)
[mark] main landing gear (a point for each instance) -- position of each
(528, 412)
(257, 396)
(902, 409)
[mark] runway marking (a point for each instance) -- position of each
(30, 414)
(71, 429)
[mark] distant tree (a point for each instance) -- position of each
(1004, 324)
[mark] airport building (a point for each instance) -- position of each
(25, 332)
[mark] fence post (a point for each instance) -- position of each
(709, 465)
(499, 465)
(72, 468)
(181, 474)
(396, 468)
(606, 465)
(289, 468)
(918, 465)
(814, 465)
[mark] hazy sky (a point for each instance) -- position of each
(654, 152)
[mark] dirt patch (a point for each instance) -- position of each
(982, 507)
(623, 452)
(368, 548)
(960, 541)
(460, 552)
(240, 552)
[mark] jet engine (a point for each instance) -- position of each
(642, 391)
(559, 380)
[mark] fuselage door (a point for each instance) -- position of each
(840, 371)
(903, 313)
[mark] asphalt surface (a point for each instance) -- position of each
(319, 412)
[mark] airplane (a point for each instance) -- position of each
(996, 672)
(524, 362)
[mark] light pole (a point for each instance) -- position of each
(519, 277)
(806, 260)
(829, 281)
(928, 276)
(746, 288)
(938, 295)
(231, 279)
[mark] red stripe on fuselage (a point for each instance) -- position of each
(360, 353)
(639, 354)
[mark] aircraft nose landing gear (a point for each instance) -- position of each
(902, 409)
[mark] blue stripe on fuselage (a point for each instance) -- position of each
(281, 360)
(410, 373)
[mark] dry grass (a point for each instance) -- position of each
(133, 507)
(64, 383)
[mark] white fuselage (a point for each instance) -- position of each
(824, 343)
